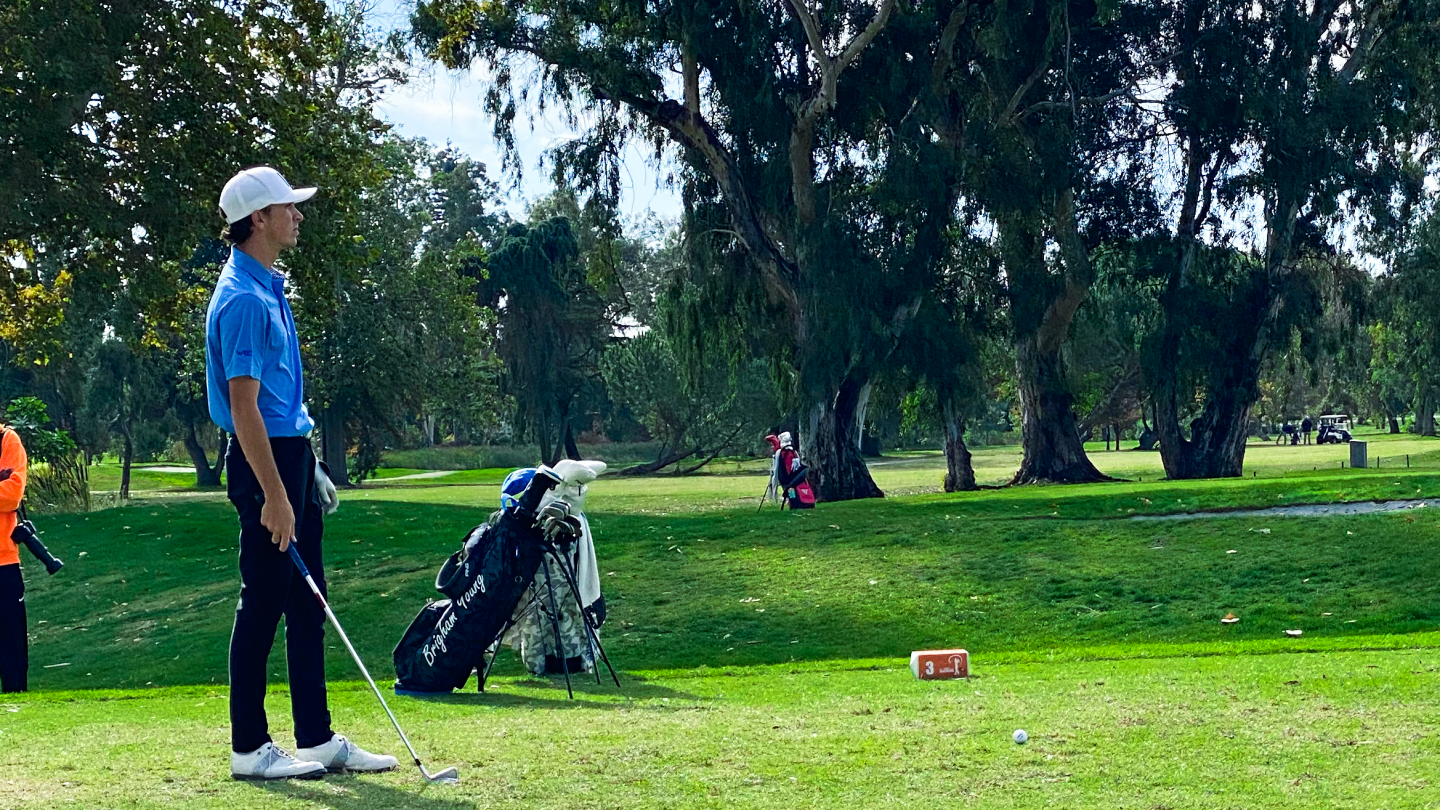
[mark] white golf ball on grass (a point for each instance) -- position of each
(1020, 736)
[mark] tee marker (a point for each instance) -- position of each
(935, 665)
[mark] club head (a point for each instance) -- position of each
(449, 776)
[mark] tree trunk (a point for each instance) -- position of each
(831, 448)
(959, 471)
(126, 457)
(1043, 307)
(572, 450)
(205, 475)
(224, 445)
(1394, 423)
(1425, 413)
(1216, 446)
(427, 426)
(665, 460)
(333, 446)
(1053, 450)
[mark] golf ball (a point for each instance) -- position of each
(1020, 736)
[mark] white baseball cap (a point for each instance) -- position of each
(254, 189)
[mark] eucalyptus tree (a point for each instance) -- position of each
(1408, 339)
(765, 115)
(1037, 105)
(553, 326)
(1315, 115)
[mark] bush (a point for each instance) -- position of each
(57, 479)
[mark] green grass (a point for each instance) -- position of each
(1341, 730)
(730, 482)
(105, 477)
(764, 654)
(153, 593)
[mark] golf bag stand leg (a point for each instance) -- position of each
(561, 562)
(555, 625)
(591, 630)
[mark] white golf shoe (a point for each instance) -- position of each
(342, 755)
(271, 762)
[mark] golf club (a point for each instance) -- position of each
(447, 776)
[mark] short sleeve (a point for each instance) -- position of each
(241, 329)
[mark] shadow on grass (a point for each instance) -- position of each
(496, 695)
(343, 792)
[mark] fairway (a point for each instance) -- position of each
(764, 655)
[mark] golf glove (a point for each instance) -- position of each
(329, 499)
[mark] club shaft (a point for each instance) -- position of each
(334, 622)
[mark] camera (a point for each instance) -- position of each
(25, 534)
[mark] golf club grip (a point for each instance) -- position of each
(542, 483)
(299, 563)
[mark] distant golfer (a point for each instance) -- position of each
(279, 489)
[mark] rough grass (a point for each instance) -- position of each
(764, 654)
(150, 587)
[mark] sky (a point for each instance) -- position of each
(445, 106)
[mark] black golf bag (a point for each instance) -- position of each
(506, 561)
(484, 581)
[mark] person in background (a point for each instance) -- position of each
(14, 631)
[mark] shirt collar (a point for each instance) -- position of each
(247, 263)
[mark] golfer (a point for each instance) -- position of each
(14, 640)
(279, 489)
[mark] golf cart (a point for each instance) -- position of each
(1334, 429)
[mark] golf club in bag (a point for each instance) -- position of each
(486, 581)
(448, 775)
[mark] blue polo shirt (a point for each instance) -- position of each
(250, 332)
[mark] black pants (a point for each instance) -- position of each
(271, 587)
(14, 643)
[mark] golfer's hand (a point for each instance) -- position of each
(331, 500)
(6, 473)
(277, 516)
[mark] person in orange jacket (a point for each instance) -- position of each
(14, 638)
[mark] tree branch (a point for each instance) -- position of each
(1009, 114)
(1364, 44)
(691, 71)
(1078, 275)
(945, 52)
(812, 33)
(882, 16)
(807, 117)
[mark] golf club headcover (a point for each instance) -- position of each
(329, 498)
(545, 480)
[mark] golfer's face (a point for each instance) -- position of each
(281, 224)
(287, 224)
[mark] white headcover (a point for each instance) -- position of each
(574, 477)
